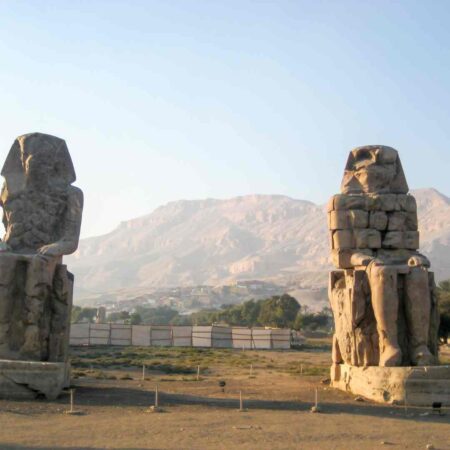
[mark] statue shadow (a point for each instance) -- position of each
(132, 397)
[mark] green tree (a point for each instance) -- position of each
(135, 319)
(279, 311)
(161, 315)
(80, 314)
(118, 316)
(306, 320)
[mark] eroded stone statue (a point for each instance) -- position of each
(42, 217)
(383, 301)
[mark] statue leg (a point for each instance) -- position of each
(383, 286)
(417, 311)
(37, 291)
(7, 272)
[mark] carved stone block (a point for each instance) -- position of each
(378, 220)
(358, 218)
(347, 202)
(397, 221)
(411, 239)
(367, 238)
(393, 239)
(411, 223)
(338, 220)
(382, 202)
(343, 239)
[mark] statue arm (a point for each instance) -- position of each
(360, 259)
(350, 258)
(72, 225)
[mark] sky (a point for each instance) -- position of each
(166, 100)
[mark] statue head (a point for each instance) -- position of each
(39, 160)
(374, 169)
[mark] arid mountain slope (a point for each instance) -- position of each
(218, 241)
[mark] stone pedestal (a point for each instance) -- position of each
(417, 386)
(26, 380)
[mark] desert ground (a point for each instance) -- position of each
(112, 399)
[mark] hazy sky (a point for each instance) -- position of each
(167, 100)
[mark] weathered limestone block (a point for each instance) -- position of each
(395, 385)
(367, 238)
(345, 258)
(382, 202)
(343, 239)
(341, 220)
(394, 239)
(412, 240)
(26, 380)
(347, 202)
(358, 218)
(397, 221)
(42, 219)
(384, 301)
(378, 220)
(406, 203)
(338, 220)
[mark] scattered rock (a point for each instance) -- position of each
(325, 380)
(154, 409)
(359, 399)
(315, 409)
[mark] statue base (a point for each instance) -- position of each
(413, 386)
(26, 380)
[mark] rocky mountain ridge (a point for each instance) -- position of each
(214, 242)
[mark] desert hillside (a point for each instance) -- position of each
(267, 237)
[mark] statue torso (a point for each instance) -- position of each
(33, 219)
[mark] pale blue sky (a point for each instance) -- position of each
(167, 100)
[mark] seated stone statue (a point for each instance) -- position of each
(42, 217)
(383, 302)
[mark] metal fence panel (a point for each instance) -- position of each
(201, 336)
(242, 337)
(120, 334)
(161, 336)
(216, 336)
(281, 339)
(182, 336)
(221, 337)
(140, 335)
(262, 339)
(79, 334)
(99, 334)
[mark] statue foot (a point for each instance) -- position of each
(421, 356)
(391, 357)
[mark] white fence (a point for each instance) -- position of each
(214, 336)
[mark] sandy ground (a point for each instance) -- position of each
(198, 415)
